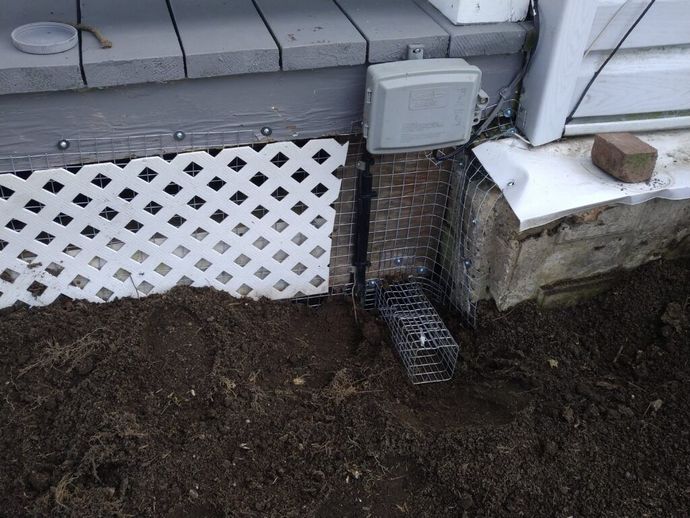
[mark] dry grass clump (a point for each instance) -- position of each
(56, 355)
(343, 386)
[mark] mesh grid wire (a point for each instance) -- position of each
(89, 150)
(408, 231)
(428, 224)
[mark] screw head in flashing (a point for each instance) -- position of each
(63, 144)
(511, 183)
(179, 135)
(266, 131)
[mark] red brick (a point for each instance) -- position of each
(624, 156)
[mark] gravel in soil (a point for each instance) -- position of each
(197, 404)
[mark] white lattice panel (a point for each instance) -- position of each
(253, 223)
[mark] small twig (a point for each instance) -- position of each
(646, 410)
(354, 307)
(372, 376)
(618, 354)
(166, 407)
(7, 399)
(134, 286)
(504, 315)
(94, 470)
(637, 387)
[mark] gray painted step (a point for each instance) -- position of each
(391, 25)
(482, 39)
(224, 37)
(20, 72)
(313, 34)
(145, 46)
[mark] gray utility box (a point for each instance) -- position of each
(420, 104)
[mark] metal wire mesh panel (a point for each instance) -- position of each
(473, 219)
(87, 150)
(252, 222)
(409, 219)
(429, 223)
(424, 344)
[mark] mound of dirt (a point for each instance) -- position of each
(197, 404)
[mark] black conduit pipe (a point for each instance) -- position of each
(363, 195)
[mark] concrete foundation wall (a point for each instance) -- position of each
(571, 258)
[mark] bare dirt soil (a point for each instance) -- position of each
(197, 404)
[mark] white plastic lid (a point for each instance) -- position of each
(44, 37)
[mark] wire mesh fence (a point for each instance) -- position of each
(78, 151)
(428, 225)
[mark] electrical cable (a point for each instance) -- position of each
(605, 27)
(606, 62)
(505, 93)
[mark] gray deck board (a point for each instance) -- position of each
(23, 73)
(224, 37)
(106, 123)
(145, 46)
(485, 39)
(391, 25)
(489, 40)
(313, 34)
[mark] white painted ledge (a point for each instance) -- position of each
(549, 182)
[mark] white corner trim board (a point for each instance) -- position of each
(482, 11)
(547, 183)
(650, 73)
(549, 86)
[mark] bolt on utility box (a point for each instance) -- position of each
(420, 104)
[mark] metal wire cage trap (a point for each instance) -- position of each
(427, 349)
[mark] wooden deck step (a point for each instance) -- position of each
(23, 73)
(391, 25)
(145, 45)
(159, 40)
(224, 37)
(313, 34)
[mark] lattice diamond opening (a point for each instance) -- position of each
(251, 222)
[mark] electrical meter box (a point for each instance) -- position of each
(421, 104)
